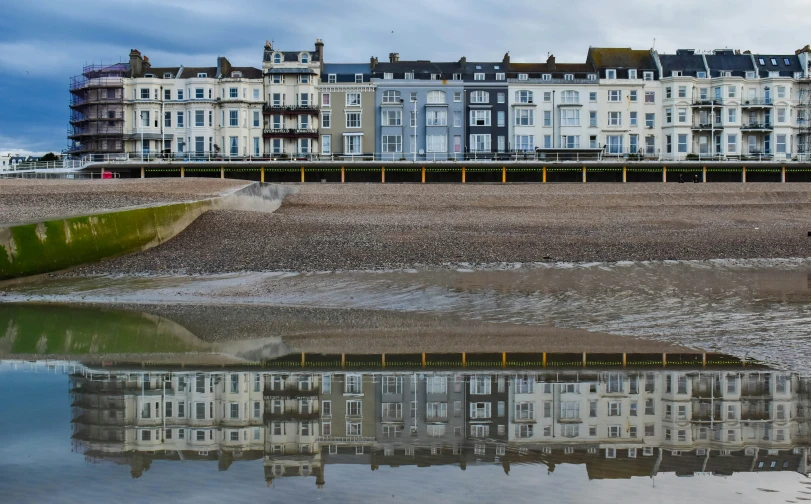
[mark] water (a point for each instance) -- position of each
(396, 386)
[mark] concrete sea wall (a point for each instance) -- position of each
(54, 244)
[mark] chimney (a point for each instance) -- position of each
(394, 57)
(147, 64)
(223, 67)
(372, 62)
(747, 51)
(136, 63)
(550, 61)
(463, 63)
(805, 49)
(319, 49)
(506, 60)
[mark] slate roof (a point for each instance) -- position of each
(345, 72)
(620, 57)
(247, 72)
(291, 56)
(422, 69)
(688, 64)
(159, 71)
(728, 61)
(485, 67)
(557, 70)
(786, 70)
(190, 72)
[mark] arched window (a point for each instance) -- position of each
(277, 58)
(570, 97)
(391, 96)
(436, 97)
(479, 97)
(305, 58)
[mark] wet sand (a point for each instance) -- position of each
(29, 199)
(372, 226)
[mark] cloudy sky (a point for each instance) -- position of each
(44, 42)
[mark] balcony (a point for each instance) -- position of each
(706, 125)
(755, 415)
(290, 133)
(288, 415)
(755, 389)
(757, 102)
(757, 126)
(708, 102)
(290, 109)
(290, 392)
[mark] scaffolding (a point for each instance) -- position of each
(96, 123)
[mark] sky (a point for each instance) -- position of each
(44, 42)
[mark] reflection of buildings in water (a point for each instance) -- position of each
(618, 423)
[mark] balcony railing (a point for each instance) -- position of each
(757, 102)
(707, 102)
(291, 415)
(290, 109)
(290, 392)
(755, 415)
(706, 125)
(757, 126)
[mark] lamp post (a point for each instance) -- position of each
(415, 131)
(163, 123)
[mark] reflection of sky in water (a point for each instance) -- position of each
(36, 465)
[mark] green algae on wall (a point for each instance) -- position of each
(35, 248)
(61, 330)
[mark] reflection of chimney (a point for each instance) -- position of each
(394, 57)
(373, 62)
(550, 61)
(136, 63)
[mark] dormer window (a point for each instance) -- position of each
(409, 76)
(478, 76)
(726, 74)
(496, 67)
(569, 77)
(750, 75)
(761, 61)
(675, 73)
(591, 77)
(434, 76)
(277, 58)
(305, 58)
(798, 75)
(149, 76)
(522, 76)
(647, 75)
(701, 75)
(388, 75)
(457, 76)
(167, 75)
(546, 77)
(500, 76)
(610, 74)
(774, 74)
(632, 73)
(202, 75)
(236, 75)
(358, 78)
(331, 78)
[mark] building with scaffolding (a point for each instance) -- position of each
(96, 122)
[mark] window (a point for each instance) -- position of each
(650, 97)
(199, 93)
(500, 76)
(650, 408)
(392, 117)
(502, 120)
(436, 97)
(569, 118)
(358, 78)
(547, 118)
(633, 119)
(480, 143)
(781, 143)
(701, 75)
(522, 76)
(570, 409)
(457, 119)
(682, 383)
(593, 142)
(480, 410)
(524, 117)
(650, 120)
(547, 96)
(613, 432)
(523, 96)
(436, 143)
(391, 96)
(353, 99)
(614, 144)
(436, 76)
(610, 74)
(353, 119)
(570, 97)
(524, 143)
(632, 95)
(732, 115)
(478, 76)
(592, 119)
(547, 141)
(614, 95)
(388, 75)
(781, 115)
(615, 118)
(633, 146)
(199, 118)
(144, 93)
(392, 410)
(593, 96)
(614, 408)
(408, 76)
(480, 385)
(480, 118)
(647, 75)
(682, 143)
(233, 118)
(479, 97)
(524, 431)
(501, 97)
(393, 384)
(632, 73)
(682, 115)
(479, 431)
(436, 117)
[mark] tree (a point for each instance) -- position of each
(49, 157)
